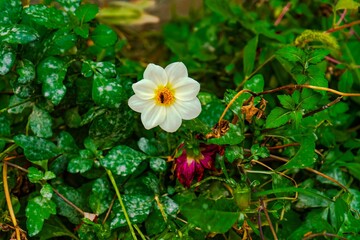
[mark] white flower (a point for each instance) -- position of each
(166, 96)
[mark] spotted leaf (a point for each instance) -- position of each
(51, 73)
(122, 160)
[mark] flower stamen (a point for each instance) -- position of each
(164, 96)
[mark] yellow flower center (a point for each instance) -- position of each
(164, 96)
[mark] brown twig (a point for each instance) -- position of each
(282, 14)
(325, 234)
(263, 208)
(323, 107)
(327, 177)
(109, 210)
(68, 202)
(343, 26)
(283, 146)
(314, 171)
(342, 17)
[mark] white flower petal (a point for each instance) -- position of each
(139, 105)
(172, 121)
(188, 109)
(186, 89)
(153, 116)
(144, 89)
(176, 71)
(156, 74)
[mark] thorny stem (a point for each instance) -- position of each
(109, 173)
(7, 192)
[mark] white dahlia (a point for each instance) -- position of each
(166, 96)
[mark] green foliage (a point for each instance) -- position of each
(81, 165)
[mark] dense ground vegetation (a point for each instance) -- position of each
(274, 153)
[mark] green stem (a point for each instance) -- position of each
(139, 231)
(109, 173)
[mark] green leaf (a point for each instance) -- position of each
(18, 34)
(122, 160)
(67, 143)
(61, 41)
(100, 196)
(82, 31)
(5, 129)
(46, 191)
(234, 152)
(48, 17)
(103, 36)
(36, 148)
(55, 228)
(19, 105)
(70, 5)
(346, 81)
(49, 175)
(309, 99)
(10, 11)
(296, 117)
(318, 55)
(86, 12)
(107, 92)
(347, 4)
(158, 164)
(277, 117)
(80, 165)
(72, 118)
(287, 101)
(35, 175)
(291, 53)
(255, 84)
(112, 126)
(7, 58)
(305, 157)
(210, 216)
(137, 206)
(170, 206)
(258, 151)
(338, 212)
(317, 77)
(232, 137)
(37, 210)
(220, 7)
(250, 55)
(40, 123)
(26, 71)
(51, 73)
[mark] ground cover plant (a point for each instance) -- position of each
(239, 121)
